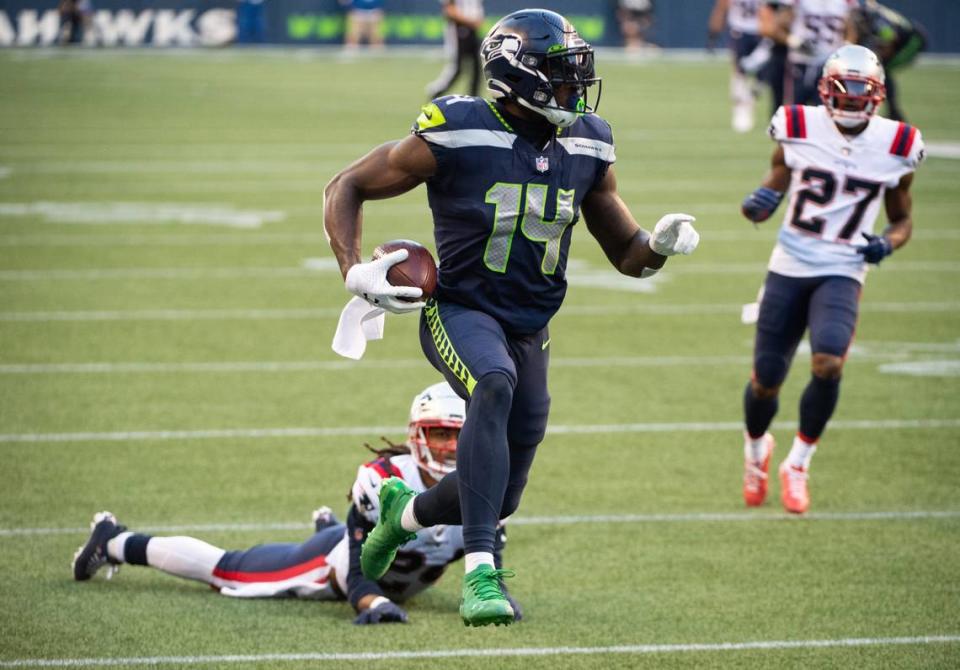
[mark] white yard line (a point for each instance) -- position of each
(598, 277)
(318, 239)
(692, 517)
(639, 309)
(156, 273)
(339, 431)
(490, 652)
(139, 367)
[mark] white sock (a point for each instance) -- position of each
(115, 546)
(755, 449)
(185, 557)
(475, 559)
(408, 521)
(800, 453)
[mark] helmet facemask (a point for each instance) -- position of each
(434, 452)
(435, 410)
(851, 100)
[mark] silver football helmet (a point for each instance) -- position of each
(852, 85)
(436, 406)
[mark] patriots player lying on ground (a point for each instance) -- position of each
(326, 566)
(839, 162)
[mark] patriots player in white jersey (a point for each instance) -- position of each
(811, 31)
(746, 44)
(327, 565)
(837, 162)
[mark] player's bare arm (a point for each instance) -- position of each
(775, 23)
(763, 202)
(718, 17)
(625, 243)
(630, 248)
(389, 170)
(899, 205)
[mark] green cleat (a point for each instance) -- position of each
(483, 602)
(380, 547)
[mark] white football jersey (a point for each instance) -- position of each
(821, 24)
(421, 561)
(837, 187)
(742, 17)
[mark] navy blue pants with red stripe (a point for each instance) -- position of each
(271, 558)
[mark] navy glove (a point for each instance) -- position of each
(759, 205)
(876, 249)
(383, 613)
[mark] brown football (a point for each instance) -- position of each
(418, 270)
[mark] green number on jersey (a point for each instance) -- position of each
(506, 199)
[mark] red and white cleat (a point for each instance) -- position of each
(756, 473)
(793, 488)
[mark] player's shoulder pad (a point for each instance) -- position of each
(450, 112)
(906, 143)
(789, 123)
(592, 136)
(366, 488)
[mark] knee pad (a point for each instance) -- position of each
(493, 389)
(770, 369)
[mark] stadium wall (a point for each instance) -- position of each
(178, 23)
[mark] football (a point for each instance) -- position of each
(419, 269)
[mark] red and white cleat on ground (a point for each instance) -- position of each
(756, 473)
(793, 488)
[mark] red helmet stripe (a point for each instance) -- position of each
(788, 115)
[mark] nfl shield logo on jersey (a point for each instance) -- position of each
(543, 164)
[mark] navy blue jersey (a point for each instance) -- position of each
(503, 208)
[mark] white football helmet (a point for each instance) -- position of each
(852, 85)
(436, 406)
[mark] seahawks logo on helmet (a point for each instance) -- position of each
(537, 59)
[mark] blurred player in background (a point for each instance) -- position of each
(364, 23)
(893, 37)
(741, 17)
(811, 30)
(636, 19)
(506, 180)
(461, 44)
(772, 66)
(326, 566)
(839, 161)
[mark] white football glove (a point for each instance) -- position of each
(673, 234)
(369, 281)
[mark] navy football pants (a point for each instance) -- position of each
(827, 305)
(503, 379)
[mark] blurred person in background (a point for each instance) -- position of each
(745, 43)
(810, 30)
(461, 45)
(893, 37)
(75, 19)
(636, 19)
(327, 565)
(364, 23)
(772, 66)
(251, 24)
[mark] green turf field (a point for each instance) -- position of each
(161, 332)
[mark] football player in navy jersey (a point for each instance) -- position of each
(327, 565)
(506, 180)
